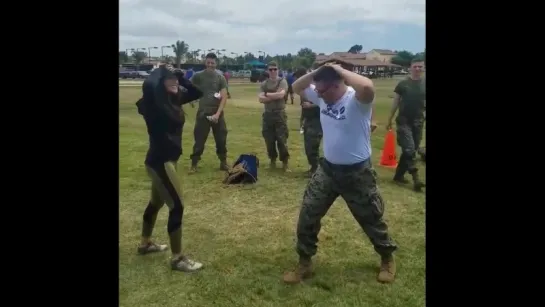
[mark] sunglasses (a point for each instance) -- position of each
(273, 69)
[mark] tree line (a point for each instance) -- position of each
(305, 57)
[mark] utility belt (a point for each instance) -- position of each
(331, 168)
(275, 111)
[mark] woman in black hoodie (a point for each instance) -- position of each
(164, 93)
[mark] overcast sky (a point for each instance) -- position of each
(275, 26)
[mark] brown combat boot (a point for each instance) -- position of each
(417, 184)
(400, 179)
(301, 272)
(223, 165)
(387, 270)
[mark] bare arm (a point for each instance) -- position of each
(364, 87)
(281, 92)
(261, 96)
(395, 106)
(303, 82)
(223, 92)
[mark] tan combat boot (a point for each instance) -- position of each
(300, 273)
(273, 163)
(387, 270)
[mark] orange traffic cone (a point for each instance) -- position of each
(389, 158)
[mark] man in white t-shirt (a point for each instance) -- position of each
(346, 102)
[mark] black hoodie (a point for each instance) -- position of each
(164, 116)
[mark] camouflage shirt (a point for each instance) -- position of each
(412, 102)
(270, 86)
(210, 83)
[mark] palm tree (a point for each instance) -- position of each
(180, 49)
(196, 54)
(139, 56)
(167, 59)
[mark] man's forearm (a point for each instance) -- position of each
(303, 82)
(358, 82)
(222, 101)
(395, 106)
(277, 95)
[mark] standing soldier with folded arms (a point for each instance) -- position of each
(410, 99)
(275, 121)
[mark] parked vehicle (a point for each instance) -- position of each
(141, 75)
(127, 74)
(257, 75)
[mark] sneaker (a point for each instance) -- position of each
(185, 264)
(152, 248)
(301, 131)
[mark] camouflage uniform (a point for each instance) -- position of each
(410, 126)
(312, 130)
(209, 83)
(358, 186)
(275, 122)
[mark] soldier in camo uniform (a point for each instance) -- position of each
(345, 170)
(312, 128)
(210, 113)
(410, 99)
(275, 121)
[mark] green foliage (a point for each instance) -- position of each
(405, 57)
(139, 56)
(355, 49)
(123, 57)
(180, 49)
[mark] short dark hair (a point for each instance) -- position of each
(327, 74)
(272, 63)
(211, 55)
(301, 71)
(416, 60)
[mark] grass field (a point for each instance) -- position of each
(245, 236)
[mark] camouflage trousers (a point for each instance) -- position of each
(312, 138)
(275, 132)
(202, 130)
(357, 185)
(409, 136)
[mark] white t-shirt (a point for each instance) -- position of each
(346, 127)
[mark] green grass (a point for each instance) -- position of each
(245, 236)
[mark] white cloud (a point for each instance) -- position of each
(249, 25)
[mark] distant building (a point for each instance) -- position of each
(383, 55)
